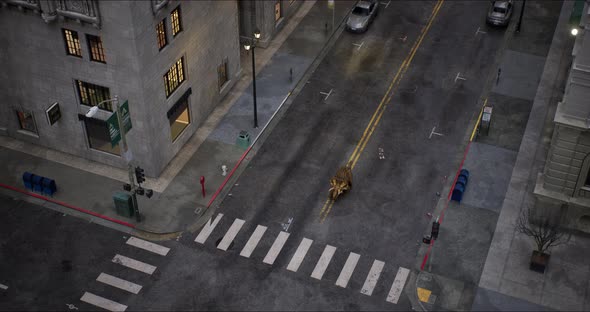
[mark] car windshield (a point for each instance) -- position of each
(499, 10)
(360, 11)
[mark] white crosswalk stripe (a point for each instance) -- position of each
(253, 241)
(207, 229)
(276, 247)
(372, 277)
(102, 302)
(299, 255)
(347, 270)
(119, 283)
(398, 285)
(134, 264)
(231, 234)
(149, 246)
(322, 265)
(3, 286)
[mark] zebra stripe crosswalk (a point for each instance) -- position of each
(231, 234)
(322, 265)
(208, 229)
(372, 277)
(119, 283)
(347, 270)
(253, 241)
(276, 247)
(299, 255)
(102, 302)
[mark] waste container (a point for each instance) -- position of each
(243, 139)
(28, 180)
(49, 186)
(123, 204)
(37, 183)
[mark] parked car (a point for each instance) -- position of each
(362, 15)
(500, 12)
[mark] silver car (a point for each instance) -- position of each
(362, 15)
(500, 13)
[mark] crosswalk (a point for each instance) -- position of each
(301, 252)
(122, 284)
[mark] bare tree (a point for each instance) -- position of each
(545, 230)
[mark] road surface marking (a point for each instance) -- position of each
(276, 247)
(436, 133)
(134, 264)
(149, 246)
(347, 270)
(386, 4)
(230, 234)
(119, 283)
(327, 94)
(372, 277)
(299, 255)
(3, 286)
(207, 229)
(102, 302)
(479, 31)
(358, 46)
(459, 77)
(423, 294)
(253, 241)
(398, 285)
(322, 265)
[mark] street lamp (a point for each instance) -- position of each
(520, 18)
(248, 46)
(574, 31)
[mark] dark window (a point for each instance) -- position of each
(95, 48)
(26, 121)
(222, 73)
(161, 32)
(176, 21)
(72, 42)
(174, 77)
(91, 95)
(97, 132)
(587, 183)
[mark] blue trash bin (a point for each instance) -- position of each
(38, 183)
(49, 187)
(458, 192)
(28, 180)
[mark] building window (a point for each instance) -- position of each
(174, 77)
(26, 121)
(222, 73)
(278, 12)
(72, 43)
(95, 48)
(179, 117)
(161, 32)
(91, 95)
(97, 132)
(176, 21)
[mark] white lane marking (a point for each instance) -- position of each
(327, 94)
(119, 283)
(299, 255)
(398, 285)
(372, 277)
(134, 264)
(149, 246)
(359, 45)
(102, 302)
(347, 270)
(322, 265)
(3, 286)
(253, 241)
(459, 77)
(276, 247)
(207, 229)
(432, 132)
(231, 234)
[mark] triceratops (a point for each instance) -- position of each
(341, 182)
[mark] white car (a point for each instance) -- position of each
(362, 15)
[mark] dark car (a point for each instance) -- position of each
(500, 13)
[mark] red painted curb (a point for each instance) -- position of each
(228, 176)
(67, 205)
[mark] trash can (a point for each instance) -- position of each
(37, 183)
(49, 186)
(123, 204)
(28, 180)
(243, 139)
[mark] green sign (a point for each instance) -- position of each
(113, 124)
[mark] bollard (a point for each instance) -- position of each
(223, 170)
(203, 185)
(498, 78)
(290, 74)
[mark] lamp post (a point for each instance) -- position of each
(252, 46)
(520, 18)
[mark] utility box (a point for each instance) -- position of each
(123, 204)
(486, 119)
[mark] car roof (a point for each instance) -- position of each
(501, 4)
(363, 4)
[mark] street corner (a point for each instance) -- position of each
(427, 290)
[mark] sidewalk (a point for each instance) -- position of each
(177, 203)
(478, 234)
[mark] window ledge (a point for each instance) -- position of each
(224, 86)
(28, 133)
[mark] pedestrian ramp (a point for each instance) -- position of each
(119, 285)
(320, 260)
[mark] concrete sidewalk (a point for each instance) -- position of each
(478, 235)
(177, 203)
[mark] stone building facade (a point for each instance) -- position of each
(565, 181)
(171, 61)
(269, 16)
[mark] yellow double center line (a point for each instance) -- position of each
(383, 104)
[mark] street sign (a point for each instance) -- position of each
(53, 113)
(113, 124)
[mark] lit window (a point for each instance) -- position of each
(95, 48)
(176, 21)
(278, 13)
(91, 95)
(72, 42)
(222, 73)
(161, 32)
(97, 132)
(26, 121)
(174, 77)
(179, 117)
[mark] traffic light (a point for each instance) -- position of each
(140, 190)
(139, 175)
(149, 193)
(127, 187)
(435, 228)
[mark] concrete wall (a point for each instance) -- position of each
(261, 14)
(37, 72)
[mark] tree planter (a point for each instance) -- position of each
(539, 261)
